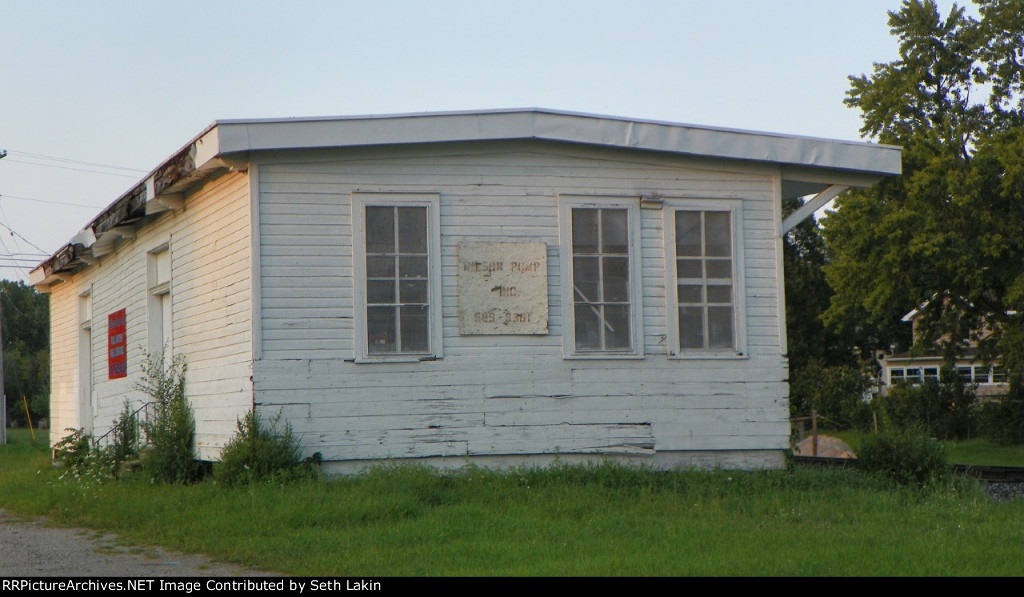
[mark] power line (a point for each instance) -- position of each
(40, 156)
(15, 234)
(5, 196)
(75, 169)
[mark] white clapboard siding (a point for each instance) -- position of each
(211, 301)
(508, 395)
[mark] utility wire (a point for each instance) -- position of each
(49, 201)
(15, 234)
(40, 156)
(75, 169)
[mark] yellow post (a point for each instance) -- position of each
(28, 417)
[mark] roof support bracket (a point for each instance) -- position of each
(161, 203)
(812, 205)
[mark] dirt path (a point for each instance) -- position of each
(30, 547)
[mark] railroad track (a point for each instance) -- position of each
(989, 474)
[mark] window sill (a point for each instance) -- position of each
(709, 355)
(397, 359)
(609, 356)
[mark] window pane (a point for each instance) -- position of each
(380, 267)
(720, 327)
(380, 292)
(718, 235)
(412, 230)
(614, 232)
(586, 279)
(691, 293)
(691, 327)
(616, 327)
(413, 291)
(616, 279)
(380, 327)
(380, 229)
(720, 268)
(415, 328)
(584, 231)
(719, 294)
(688, 234)
(689, 268)
(588, 327)
(964, 373)
(412, 267)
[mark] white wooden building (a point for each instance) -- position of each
(502, 287)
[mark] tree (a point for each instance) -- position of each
(26, 351)
(829, 370)
(949, 232)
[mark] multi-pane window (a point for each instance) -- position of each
(398, 297)
(705, 279)
(601, 295)
(978, 374)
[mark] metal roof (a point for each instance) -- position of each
(807, 165)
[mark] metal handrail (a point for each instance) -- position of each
(145, 407)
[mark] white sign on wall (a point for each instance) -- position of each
(503, 288)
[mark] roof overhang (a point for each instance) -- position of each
(808, 165)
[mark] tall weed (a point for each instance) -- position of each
(263, 451)
(170, 431)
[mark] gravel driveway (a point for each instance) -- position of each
(29, 547)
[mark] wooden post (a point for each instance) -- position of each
(814, 432)
(3, 397)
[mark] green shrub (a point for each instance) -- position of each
(906, 457)
(170, 431)
(836, 394)
(125, 441)
(1001, 421)
(74, 452)
(940, 409)
(260, 452)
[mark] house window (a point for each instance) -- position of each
(704, 282)
(599, 261)
(86, 399)
(895, 376)
(396, 249)
(998, 374)
(159, 302)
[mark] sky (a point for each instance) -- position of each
(94, 95)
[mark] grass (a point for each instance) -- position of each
(972, 451)
(603, 520)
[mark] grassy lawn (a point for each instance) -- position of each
(566, 521)
(972, 451)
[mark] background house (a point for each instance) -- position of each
(915, 367)
(504, 286)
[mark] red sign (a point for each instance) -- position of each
(117, 344)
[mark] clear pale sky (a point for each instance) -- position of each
(126, 83)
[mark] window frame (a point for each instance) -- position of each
(430, 201)
(566, 205)
(734, 207)
(159, 301)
